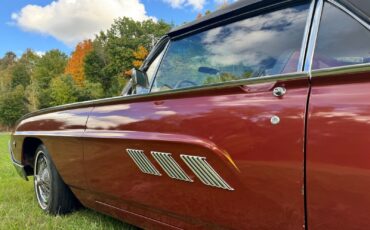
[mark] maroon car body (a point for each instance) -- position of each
(280, 151)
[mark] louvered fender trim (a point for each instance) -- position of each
(204, 171)
(198, 165)
(142, 162)
(170, 166)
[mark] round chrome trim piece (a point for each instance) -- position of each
(42, 180)
(275, 120)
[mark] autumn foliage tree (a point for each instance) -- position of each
(94, 70)
(75, 65)
(139, 54)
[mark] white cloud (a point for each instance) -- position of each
(196, 4)
(71, 21)
(222, 2)
(40, 53)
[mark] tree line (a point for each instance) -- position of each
(96, 69)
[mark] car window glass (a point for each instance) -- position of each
(341, 40)
(267, 44)
(150, 72)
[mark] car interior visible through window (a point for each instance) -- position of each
(341, 41)
(263, 45)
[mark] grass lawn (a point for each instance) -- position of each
(19, 210)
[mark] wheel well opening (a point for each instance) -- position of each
(30, 144)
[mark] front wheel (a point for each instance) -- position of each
(53, 195)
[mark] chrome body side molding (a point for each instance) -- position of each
(149, 96)
(335, 71)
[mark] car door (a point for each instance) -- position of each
(338, 163)
(219, 140)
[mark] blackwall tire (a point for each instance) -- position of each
(52, 194)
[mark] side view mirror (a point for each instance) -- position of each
(139, 78)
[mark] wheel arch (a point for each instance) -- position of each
(30, 144)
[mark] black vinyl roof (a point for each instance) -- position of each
(239, 7)
(360, 7)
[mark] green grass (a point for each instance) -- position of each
(19, 210)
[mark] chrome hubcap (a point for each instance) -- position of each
(42, 180)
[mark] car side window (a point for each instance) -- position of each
(266, 44)
(341, 40)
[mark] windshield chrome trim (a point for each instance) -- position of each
(155, 51)
(165, 50)
(127, 88)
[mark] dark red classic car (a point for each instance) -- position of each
(256, 116)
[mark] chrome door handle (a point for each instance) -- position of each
(279, 91)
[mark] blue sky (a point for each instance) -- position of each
(45, 24)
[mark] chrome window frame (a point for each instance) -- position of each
(348, 69)
(165, 50)
(126, 89)
(313, 36)
(306, 37)
(355, 68)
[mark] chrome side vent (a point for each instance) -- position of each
(170, 166)
(205, 172)
(142, 162)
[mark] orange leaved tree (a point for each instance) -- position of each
(139, 57)
(75, 65)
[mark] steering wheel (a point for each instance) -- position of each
(180, 83)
